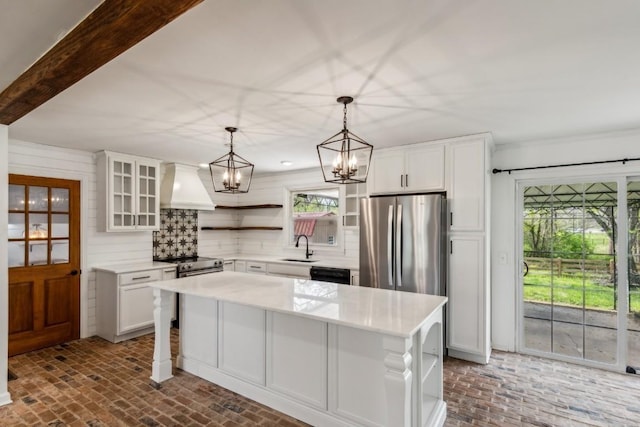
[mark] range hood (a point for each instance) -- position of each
(182, 188)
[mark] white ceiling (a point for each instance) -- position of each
(419, 70)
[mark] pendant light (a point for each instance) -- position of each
(345, 157)
(231, 173)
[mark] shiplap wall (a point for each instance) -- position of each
(265, 189)
(97, 247)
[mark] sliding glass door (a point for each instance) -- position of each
(570, 285)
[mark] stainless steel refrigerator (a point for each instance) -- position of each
(403, 243)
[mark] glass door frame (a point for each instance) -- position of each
(621, 265)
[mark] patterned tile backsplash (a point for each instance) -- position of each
(178, 234)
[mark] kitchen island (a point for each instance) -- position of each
(324, 353)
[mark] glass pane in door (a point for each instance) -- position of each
(16, 197)
(60, 225)
(38, 198)
(60, 199)
(633, 315)
(569, 290)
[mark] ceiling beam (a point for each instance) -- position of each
(112, 28)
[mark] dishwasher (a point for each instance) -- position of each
(329, 274)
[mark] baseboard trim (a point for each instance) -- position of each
(5, 399)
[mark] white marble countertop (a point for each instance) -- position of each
(389, 312)
(133, 266)
(319, 262)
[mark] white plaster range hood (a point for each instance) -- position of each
(182, 188)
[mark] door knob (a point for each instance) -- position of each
(74, 272)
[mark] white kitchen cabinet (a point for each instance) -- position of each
(355, 278)
(240, 266)
(229, 265)
(256, 267)
(409, 169)
(128, 191)
(288, 270)
(296, 358)
(468, 291)
(168, 273)
(124, 301)
(241, 346)
(466, 193)
(134, 312)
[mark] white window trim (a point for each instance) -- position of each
(339, 246)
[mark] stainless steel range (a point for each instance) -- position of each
(196, 265)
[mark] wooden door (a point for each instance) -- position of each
(44, 262)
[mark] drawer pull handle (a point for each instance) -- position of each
(141, 277)
(170, 271)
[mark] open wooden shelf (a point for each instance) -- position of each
(265, 206)
(240, 228)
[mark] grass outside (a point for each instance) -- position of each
(570, 290)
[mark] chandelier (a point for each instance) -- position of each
(340, 154)
(231, 173)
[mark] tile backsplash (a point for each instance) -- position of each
(178, 234)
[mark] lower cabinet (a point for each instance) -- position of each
(322, 373)
(134, 312)
(240, 266)
(242, 341)
(355, 278)
(297, 358)
(468, 307)
(256, 267)
(287, 270)
(124, 302)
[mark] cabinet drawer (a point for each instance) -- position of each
(256, 267)
(139, 277)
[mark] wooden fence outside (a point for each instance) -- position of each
(560, 266)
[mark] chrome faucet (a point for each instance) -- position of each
(307, 252)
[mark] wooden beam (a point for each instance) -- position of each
(112, 28)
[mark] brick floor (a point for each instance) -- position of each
(91, 382)
(515, 389)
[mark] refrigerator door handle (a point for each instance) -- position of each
(390, 245)
(399, 247)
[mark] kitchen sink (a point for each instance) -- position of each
(298, 260)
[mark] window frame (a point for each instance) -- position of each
(288, 216)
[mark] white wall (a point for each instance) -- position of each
(589, 148)
(265, 189)
(96, 247)
(4, 277)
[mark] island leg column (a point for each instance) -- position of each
(161, 367)
(398, 380)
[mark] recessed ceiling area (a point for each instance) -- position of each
(418, 70)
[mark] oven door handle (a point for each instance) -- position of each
(196, 273)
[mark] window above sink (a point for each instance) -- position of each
(314, 212)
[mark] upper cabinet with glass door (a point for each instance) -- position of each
(129, 187)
